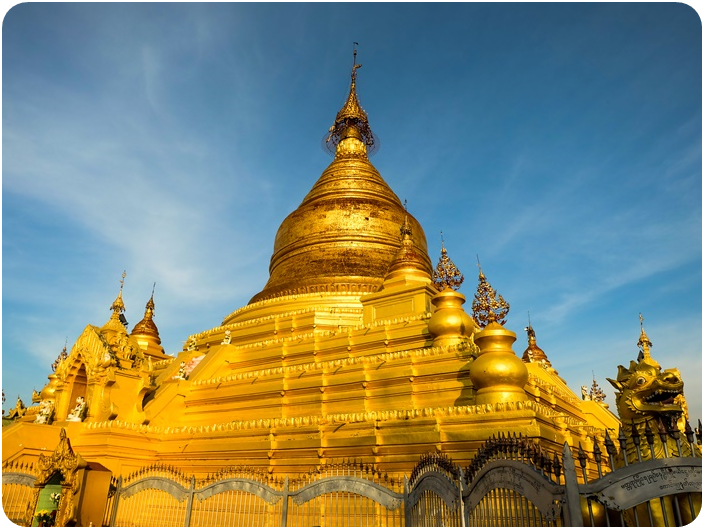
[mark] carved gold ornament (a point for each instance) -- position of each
(488, 306)
(446, 274)
(64, 461)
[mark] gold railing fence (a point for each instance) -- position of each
(17, 490)
(511, 481)
(646, 477)
(343, 505)
(346, 494)
(214, 506)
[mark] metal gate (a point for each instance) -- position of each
(515, 482)
(511, 481)
(342, 495)
(435, 493)
(17, 490)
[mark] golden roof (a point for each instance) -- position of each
(344, 235)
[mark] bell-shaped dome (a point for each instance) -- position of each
(344, 236)
(146, 332)
(533, 353)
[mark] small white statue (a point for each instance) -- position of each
(228, 338)
(46, 411)
(79, 411)
(182, 372)
(585, 393)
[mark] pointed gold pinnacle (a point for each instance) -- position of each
(118, 306)
(446, 274)
(488, 306)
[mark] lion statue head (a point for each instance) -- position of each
(646, 392)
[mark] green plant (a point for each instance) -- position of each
(45, 518)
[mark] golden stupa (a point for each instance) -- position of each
(355, 349)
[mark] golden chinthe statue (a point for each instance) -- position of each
(356, 352)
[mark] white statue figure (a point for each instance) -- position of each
(182, 372)
(79, 411)
(585, 393)
(228, 338)
(46, 411)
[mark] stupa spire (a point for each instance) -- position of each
(118, 306)
(406, 230)
(146, 332)
(344, 236)
(351, 120)
(147, 326)
(117, 321)
(533, 353)
(488, 306)
(446, 274)
(407, 263)
(644, 345)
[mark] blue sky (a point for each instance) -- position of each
(559, 142)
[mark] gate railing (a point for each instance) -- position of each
(17, 490)
(511, 481)
(662, 487)
(339, 495)
(514, 481)
(435, 493)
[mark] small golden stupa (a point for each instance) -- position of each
(355, 349)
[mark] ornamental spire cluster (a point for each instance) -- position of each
(446, 274)
(488, 306)
(595, 392)
(63, 355)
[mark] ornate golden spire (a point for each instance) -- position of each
(351, 120)
(406, 230)
(118, 306)
(534, 353)
(147, 327)
(488, 306)
(117, 321)
(344, 236)
(644, 345)
(446, 274)
(407, 262)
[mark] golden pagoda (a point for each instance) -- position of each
(354, 349)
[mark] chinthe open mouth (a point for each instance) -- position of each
(663, 397)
